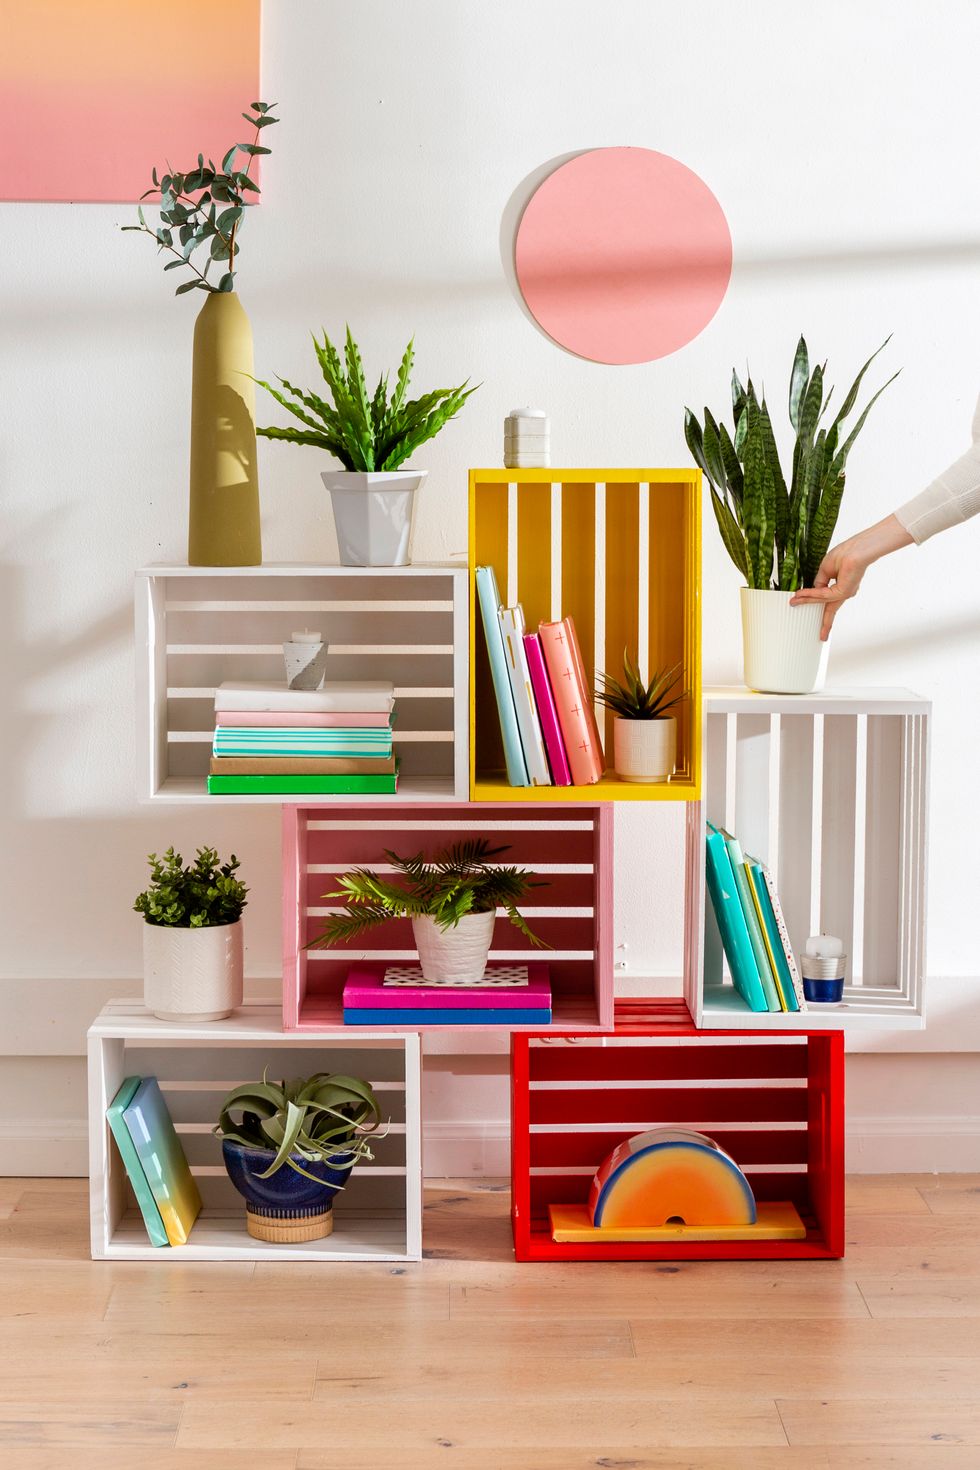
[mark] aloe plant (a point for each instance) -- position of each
(461, 880)
(365, 431)
(635, 698)
(778, 534)
(326, 1118)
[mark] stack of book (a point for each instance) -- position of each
(397, 995)
(752, 927)
(154, 1160)
(544, 698)
(335, 740)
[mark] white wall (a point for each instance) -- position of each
(841, 141)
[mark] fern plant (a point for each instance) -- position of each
(196, 897)
(463, 879)
(778, 534)
(365, 431)
(324, 1119)
(635, 699)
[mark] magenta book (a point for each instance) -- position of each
(365, 990)
(319, 719)
(547, 713)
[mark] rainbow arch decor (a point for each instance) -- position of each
(670, 1175)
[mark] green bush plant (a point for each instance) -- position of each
(196, 897)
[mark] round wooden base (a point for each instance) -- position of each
(278, 1230)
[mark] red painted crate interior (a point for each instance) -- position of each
(775, 1103)
(569, 848)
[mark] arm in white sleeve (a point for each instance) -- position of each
(953, 497)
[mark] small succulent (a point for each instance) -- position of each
(326, 1118)
(633, 699)
(194, 897)
(461, 880)
(365, 432)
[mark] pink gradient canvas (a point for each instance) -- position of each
(97, 92)
(623, 255)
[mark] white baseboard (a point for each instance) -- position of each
(54, 1149)
(913, 1145)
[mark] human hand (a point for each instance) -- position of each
(842, 569)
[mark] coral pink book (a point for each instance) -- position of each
(573, 701)
(547, 713)
(319, 719)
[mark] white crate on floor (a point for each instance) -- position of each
(377, 1217)
(199, 626)
(830, 791)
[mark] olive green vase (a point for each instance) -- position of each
(224, 528)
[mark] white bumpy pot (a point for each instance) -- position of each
(193, 974)
(459, 953)
(645, 750)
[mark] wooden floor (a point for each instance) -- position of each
(470, 1362)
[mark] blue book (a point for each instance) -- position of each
(752, 921)
(131, 1159)
(455, 1016)
(731, 922)
(775, 943)
(486, 588)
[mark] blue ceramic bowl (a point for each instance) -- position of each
(285, 1192)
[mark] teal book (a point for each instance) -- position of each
(731, 922)
(163, 1159)
(756, 938)
(304, 785)
(131, 1159)
(486, 588)
(774, 942)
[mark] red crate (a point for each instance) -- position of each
(775, 1103)
(570, 845)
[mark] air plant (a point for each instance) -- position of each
(326, 1118)
(636, 699)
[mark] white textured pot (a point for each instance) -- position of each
(373, 514)
(645, 750)
(193, 974)
(781, 644)
(459, 953)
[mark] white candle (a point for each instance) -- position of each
(306, 637)
(824, 947)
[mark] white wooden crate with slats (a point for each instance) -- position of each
(199, 626)
(378, 1215)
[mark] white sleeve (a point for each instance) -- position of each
(953, 497)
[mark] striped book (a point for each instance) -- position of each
(301, 741)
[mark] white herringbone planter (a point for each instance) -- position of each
(781, 644)
(459, 953)
(193, 974)
(645, 750)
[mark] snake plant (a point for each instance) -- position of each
(778, 534)
(461, 880)
(324, 1118)
(635, 699)
(366, 432)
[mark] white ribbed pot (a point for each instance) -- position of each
(459, 953)
(193, 974)
(645, 750)
(781, 644)
(373, 515)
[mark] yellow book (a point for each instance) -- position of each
(765, 937)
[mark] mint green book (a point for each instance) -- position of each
(756, 938)
(304, 785)
(127, 1152)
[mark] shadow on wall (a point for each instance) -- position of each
(949, 633)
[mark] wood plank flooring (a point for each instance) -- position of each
(471, 1362)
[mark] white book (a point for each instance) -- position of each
(778, 915)
(512, 630)
(362, 696)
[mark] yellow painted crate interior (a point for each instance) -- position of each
(619, 551)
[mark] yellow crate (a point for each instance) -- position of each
(619, 550)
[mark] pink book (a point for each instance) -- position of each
(547, 714)
(573, 700)
(320, 719)
(365, 989)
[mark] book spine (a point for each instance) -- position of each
(293, 744)
(303, 785)
(535, 756)
(547, 713)
(312, 719)
(778, 916)
(572, 704)
(586, 684)
(277, 765)
(305, 701)
(486, 586)
(737, 861)
(731, 923)
(760, 902)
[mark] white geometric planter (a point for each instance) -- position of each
(645, 750)
(459, 953)
(373, 515)
(193, 974)
(781, 644)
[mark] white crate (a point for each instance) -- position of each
(830, 791)
(199, 626)
(377, 1217)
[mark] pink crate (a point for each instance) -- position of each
(569, 845)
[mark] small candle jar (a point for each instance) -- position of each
(306, 660)
(823, 964)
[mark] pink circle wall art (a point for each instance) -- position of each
(623, 255)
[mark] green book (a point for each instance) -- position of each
(752, 921)
(127, 1152)
(304, 785)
